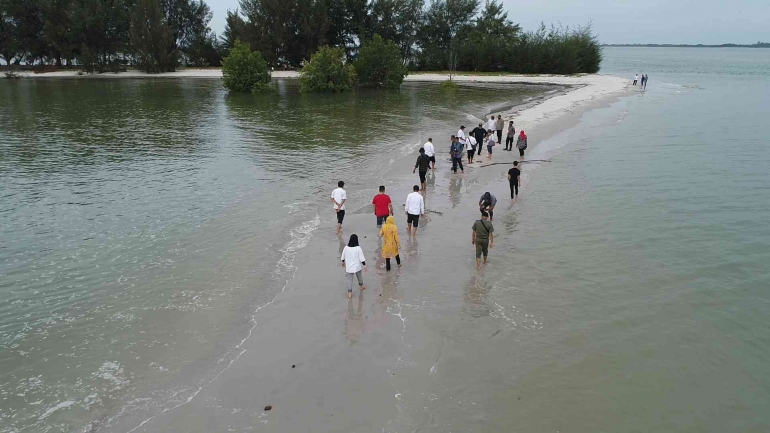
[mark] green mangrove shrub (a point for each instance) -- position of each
(244, 70)
(327, 71)
(379, 64)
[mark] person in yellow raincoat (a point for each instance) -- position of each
(390, 242)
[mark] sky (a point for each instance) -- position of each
(627, 21)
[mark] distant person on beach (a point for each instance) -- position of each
(510, 136)
(644, 81)
(479, 133)
(456, 152)
(353, 261)
(470, 148)
(521, 143)
(499, 124)
(414, 208)
(430, 152)
(487, 203)
(483, 237)
(491, 124)
(339, 196)
(490, 143)
(636, 78)
(390, 242)
(383, 206)
(514, 177)
(423, 163)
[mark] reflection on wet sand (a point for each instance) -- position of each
(355, 322)
(474, 295)
(455, 189)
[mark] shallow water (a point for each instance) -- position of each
(144, 221)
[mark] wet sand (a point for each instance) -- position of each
(326, 363)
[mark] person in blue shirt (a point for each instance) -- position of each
(456, 151)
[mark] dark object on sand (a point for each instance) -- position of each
(268, 407)
(293, 365)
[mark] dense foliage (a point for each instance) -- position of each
(244, 70)
(379, 64)
(455, 35)
(102, 35)
(327, 71)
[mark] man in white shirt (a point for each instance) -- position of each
(491, 124)
(414, 208)
(339, 196)
(461, 135)
(430, 152)
(470, 147)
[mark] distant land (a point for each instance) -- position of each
(757, 45)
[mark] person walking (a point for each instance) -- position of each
(499, 127)
(479, 133)
(456, 152)
(430, 152)
(390, 242)
(414, 208)
(483, 238)
(339, 196)
(645, 77)
(461, 135)
(353, 261)
(514, 178)
(487, 204)
(491, 124)
(490, 143)
(470, 147)
(423, 163)
(521, 143)
(383, 206)
(510, 136)
(636, 77)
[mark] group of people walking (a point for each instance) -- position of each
(642, 82)
(353, 260)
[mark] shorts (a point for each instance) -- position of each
(413, 220)
(381, 220)
(422, 176)
(432, 159)
(340, 216)
(482, 247)
(471, 153)
(489, 149)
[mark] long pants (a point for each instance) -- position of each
(360, 278)
(479, 144)
(514, 188)
(456, 162)
(521, 152)
(499, 135)
(509, 143)
(387, 262)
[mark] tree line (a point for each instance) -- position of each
(159, 35)
(103, 35)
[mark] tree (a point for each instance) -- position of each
(9, 43)
(244, 70)
(398, 21)
(327, 72)
(444, 29)
(379, 64)
(235, 29)
(152, 38)
(490, 41)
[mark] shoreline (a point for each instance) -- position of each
(365, 378)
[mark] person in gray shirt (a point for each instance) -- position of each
(487, 204)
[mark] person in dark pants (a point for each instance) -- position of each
(339, 197)
(479, 133)
(514, 177)
(456, 151)
(487, 204)
(499, 128)
(510, 136)
(521, 143)
(423, 163)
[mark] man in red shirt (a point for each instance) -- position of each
(383, 207)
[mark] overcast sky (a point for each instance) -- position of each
(626, 21)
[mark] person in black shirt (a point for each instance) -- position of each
(479, 133)
(423, 163)
(514, 176)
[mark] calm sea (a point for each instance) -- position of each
(144, 221)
